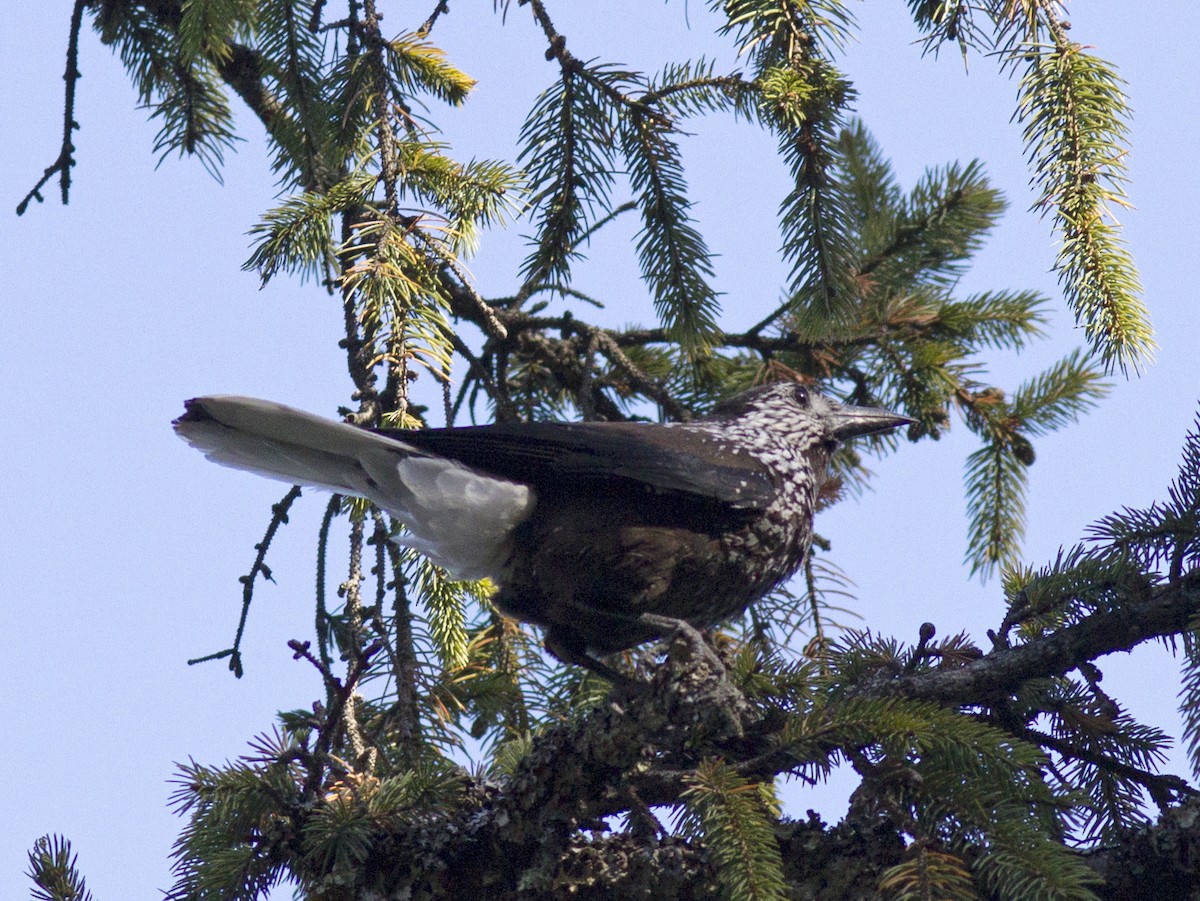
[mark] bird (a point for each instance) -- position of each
(603, 534)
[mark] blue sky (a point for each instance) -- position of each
(122, 547)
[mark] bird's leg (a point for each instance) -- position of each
(569, 650)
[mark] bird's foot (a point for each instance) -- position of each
(694, 672)
(699, 674)
(669, 628)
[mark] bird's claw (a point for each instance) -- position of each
(669, 629)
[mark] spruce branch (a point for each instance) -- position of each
(691, 89)
(573, 67)
(464, 289)
(567, 149)
(939, 226)
(53, 869)
(1164, 789)
(780, 31)
(402, 651)
(382, 110)
(1163, 534)
(1074, 112)
(675, 259)
(949, 20)
(996, 484)
(813, 215)
(358, 343)
(735, 823)
(321, 628)
(291, 55)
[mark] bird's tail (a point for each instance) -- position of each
(283, 443)
(461, 518)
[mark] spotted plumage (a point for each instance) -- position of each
(590, 530)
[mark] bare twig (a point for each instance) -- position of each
(427, 26)
(279, 516)
(66, 155)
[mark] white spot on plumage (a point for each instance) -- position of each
(459, 518)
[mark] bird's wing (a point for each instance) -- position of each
(686, 464)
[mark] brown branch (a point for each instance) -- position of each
(314, 20)
(339, 718)
(630, 752)
(612, 343)
(567, 369)
(359, 651)
(735, 81)
(462, 291)
(571, 66)
(588, 760)
(564, 358)
(389, 169)
(533, 826)
(1157, 861)
(788, 342)
(650, 387)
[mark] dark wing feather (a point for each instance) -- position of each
(693, 466)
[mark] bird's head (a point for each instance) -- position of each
(813, 418)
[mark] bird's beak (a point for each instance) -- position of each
(851, 422)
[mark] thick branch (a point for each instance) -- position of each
(1164, 611)
(596, 766)
(577, 773)
(1156, 861)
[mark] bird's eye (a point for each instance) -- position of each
(801, 395)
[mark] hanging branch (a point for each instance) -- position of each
(402, 651)
(66, 155)
(1075, 117)
(358, 348)
(321, 626)
(279, 516)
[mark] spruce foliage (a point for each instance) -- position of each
(983, 770)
